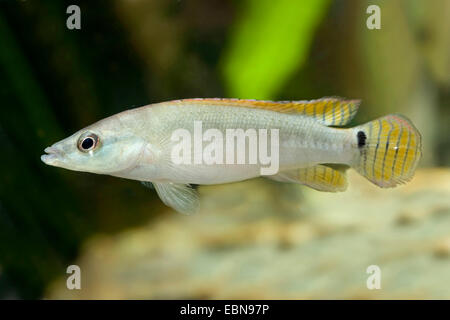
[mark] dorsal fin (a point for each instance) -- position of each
(328, 111)
(319, 177)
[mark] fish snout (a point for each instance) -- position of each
(52, 155)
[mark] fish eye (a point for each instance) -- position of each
(87, 142)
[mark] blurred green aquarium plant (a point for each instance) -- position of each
(268, 44)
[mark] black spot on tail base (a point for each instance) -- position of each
(361, 139)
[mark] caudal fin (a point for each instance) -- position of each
(389, 150)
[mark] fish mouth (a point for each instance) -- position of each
(52, 156)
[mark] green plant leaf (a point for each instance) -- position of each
(270, 41)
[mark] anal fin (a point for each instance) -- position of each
(319, 177)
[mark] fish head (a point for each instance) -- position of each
(105, 148)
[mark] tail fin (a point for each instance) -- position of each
(390, 149)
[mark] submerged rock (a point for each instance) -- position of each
(264, 240)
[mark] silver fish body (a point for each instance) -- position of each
(303, 142)
(138, 144)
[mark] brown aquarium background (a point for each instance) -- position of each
(254, 239)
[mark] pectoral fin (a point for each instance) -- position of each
(148, 184)
(180, 197)
(319, 177)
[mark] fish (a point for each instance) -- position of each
(313, 146)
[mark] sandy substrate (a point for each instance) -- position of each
(265, 240)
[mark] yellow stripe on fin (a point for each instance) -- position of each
(319, 177)
(389, 150)
(328, 111)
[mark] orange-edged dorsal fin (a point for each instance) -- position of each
(328, 111)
